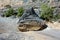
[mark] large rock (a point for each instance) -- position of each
(31, 21)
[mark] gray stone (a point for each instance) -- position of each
(30, 14)
(30, 21)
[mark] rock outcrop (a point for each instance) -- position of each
(31, 21)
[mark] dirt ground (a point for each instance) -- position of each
(54, 25)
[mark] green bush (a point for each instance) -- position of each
(46, 13)
(8, 12)
(20, 11)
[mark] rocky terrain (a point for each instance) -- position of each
(9, 31)
(9, 26)
(17, 3)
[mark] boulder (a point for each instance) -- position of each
(30, 21)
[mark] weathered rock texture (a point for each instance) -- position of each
(30, 21)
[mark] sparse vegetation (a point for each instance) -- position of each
(20, 11)
(47, 12)
(9, 12)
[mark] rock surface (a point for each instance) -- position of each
(30, 21)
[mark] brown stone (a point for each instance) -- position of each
(31, 26)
